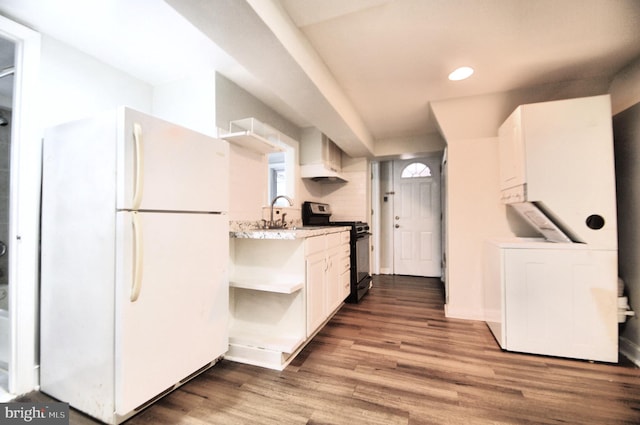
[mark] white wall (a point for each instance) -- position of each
(249, 184)
(190, 102)
(474, 215)
(415, 146)
(249, 170)
(349, 201)
(74, 85)
(234, 103)
(625, 88)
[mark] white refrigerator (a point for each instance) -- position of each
(134, 286)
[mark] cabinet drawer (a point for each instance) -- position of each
(345, 237)
(345, 281)
(344, 264)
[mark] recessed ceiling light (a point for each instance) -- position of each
(461, 73)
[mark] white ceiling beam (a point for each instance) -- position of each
(262, 38)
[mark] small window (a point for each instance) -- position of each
(277, 175)
(415, 170)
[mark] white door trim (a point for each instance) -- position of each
(426, 240)
(376, 217)
(24, 214)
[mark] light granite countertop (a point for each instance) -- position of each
(287, 234)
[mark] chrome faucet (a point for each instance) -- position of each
(272, 224)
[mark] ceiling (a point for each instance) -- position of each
(392, 57)
(362, 71)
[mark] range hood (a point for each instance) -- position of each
(321, 173)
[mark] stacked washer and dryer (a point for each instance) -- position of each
(557, 295)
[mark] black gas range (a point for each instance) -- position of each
(319, 214)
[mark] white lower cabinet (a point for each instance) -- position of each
(327, 261)
(281, 293)
(552, 299)
(316, 301)
(344, 265)
(339, 273)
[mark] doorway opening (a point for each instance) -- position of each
(7, 61)
(22, 242)
(409, 207)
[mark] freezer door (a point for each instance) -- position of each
(173, 320)
(165, 167)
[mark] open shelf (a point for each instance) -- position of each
(254, 135)
(252, 142)
(281, 343)
(261, 285)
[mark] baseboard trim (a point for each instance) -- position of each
(457, 313)
(630, 350)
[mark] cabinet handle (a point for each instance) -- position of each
(137, 260)
(139, 166)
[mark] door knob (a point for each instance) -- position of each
(397, 217)
(397, 226)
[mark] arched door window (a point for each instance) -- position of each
(416, 170)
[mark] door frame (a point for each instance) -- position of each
(24, 212)
(379, 220)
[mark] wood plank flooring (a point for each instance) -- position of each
(395, 359)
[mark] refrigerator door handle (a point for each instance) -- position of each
(137, 260)
(139, 166)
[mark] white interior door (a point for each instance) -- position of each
(416, 217)
(178, 323)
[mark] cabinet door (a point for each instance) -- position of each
(511, 152)
(334, 283)
(316, 271)
(562, 303)
(345, 280)
(345, 268)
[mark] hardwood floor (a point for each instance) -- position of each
(395, 359)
